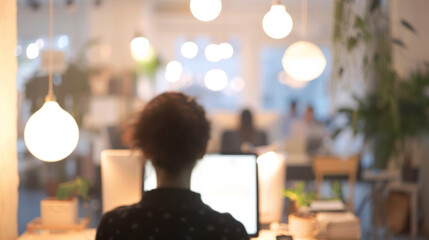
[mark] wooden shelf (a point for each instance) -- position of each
(37, 225)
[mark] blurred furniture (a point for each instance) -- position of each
(87, 234)
(119, 171)
(271, 173)
(410, 189)
(269, 122)
(231, 142)
(332, 165)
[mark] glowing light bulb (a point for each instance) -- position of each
(206, 10)
(51, 134)
(226, 50)
(140, 48)
(216, 80)
(63, 41)
(173, 71)
(213, 53)
(32, 51)
(189, 50)
(277, 23)
(304, 61)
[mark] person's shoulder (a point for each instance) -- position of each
(232, 225)
(121, 212)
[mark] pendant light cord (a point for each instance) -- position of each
(304, 18)
(51, 96)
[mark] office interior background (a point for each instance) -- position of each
(111, 57)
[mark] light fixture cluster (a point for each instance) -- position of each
(33, 49)
(217, 52)
(215, 79)
(303, 60)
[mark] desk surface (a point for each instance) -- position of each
(89, 234)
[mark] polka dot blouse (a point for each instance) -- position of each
(170, 214)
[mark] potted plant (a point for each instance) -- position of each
(62, 210)
(302, 223)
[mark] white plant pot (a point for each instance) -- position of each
(59, 212)
(303, 225)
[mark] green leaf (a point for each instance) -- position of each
(407, 25)
(336, 133)
(351, 43)
(375, 4)
(399, 42)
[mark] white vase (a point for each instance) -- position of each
(56, 212)
(303, 225)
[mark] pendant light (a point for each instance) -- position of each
(303, 60)
(206, 10)
(277, 23)
(51, 134)
(189, 49)
(141, 50)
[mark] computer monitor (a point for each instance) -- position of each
(227, 183)
(121, 178)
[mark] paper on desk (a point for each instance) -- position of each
(330, 205)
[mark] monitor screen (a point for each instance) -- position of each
(227, 183)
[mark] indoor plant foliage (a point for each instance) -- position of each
(299, 196)
(393, 110)
(389, 122)
(78, 187)
(63, 210)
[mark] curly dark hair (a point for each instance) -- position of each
(172, 131)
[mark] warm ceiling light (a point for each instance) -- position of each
(51, 134)
(304, 61)
(277, 23)
(216, 80)
(140, 48)
(213, 53)
(173, 71)
(189, 50)
(206, 10)
(32, 51)
(226, 50)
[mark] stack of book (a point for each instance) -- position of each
(338, 225)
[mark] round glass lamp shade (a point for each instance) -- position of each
(140, 48)
(304, 61)
(173, 71)
(277, 23)
(206, 10)
(216, 80)
(213, 53)
(189, 50)
(51, 134)
(226, 50)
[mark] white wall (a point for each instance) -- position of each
(8, 121)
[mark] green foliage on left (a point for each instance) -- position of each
(299, 195)
(78, 187)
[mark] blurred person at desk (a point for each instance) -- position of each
(172, 131)
(305, 138)
(243, 139)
